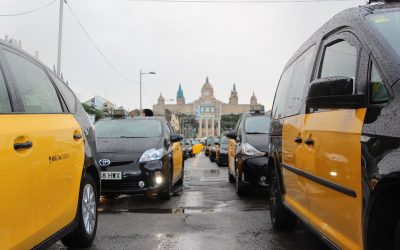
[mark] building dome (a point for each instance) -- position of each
(161, 99)
(253, 100)
(207, 90)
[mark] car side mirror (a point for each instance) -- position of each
(232, 135)
(176, 138)
(335, 93)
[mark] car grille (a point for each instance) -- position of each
(127, 185)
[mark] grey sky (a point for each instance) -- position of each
(246, 44)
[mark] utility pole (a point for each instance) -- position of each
(60, 24)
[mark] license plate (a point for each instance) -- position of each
(111, 175)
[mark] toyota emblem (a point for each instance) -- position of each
(104, 162)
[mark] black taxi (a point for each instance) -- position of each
(335, 137)
(138, 155)
(248, 150)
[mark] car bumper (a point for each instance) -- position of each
(255, 171)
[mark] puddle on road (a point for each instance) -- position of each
(181, 210)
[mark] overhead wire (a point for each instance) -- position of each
(97, 47)
(241, 1)
(29, 11)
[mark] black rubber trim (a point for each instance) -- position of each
(322, 181)
(58, 235)
(322, 237)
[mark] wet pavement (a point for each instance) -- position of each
(204, 213)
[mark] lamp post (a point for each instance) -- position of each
(143, 73)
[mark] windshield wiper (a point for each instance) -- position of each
(256, 133)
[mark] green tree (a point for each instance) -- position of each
(228, 122)
(98, 113)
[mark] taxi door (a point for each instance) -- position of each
(57, 146)
(294, 80)
(332, 145)
(232, 147)
(17, 213)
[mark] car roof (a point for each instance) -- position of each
(350, 18)
(158, 118)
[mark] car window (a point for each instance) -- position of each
(257, 125)
(388, 25)
(128, 128)
(38, 94)
(340, 59)
(5, 104)
(379, 93)
(67, 94)
(281, 93)
(298, 83)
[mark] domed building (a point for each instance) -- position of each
(207, 108)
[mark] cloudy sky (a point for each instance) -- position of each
(243, 43)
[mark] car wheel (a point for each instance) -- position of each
(231, 177)
(281, 218)
(239, 184)
(84, 234)
(180, 182)
(166, 195)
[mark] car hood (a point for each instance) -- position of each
(125, 149)
(259, 141)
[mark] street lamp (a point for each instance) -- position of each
(143, 73)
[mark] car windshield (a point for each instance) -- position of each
(224, 140)
(128, 128)
(210, 141)
(194, 142)
(257, 125)
(388, 25)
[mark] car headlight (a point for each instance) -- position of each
(248, 149)
(152, 155)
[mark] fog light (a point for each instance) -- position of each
(158, 178)
(263, 179)
(141, 184)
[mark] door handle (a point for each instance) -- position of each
(298, 140)
(309, 141)
(23, 145)
(77, 136)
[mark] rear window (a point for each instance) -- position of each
(128, 128)
(257, 125)
(211, 141)
(224, 140)
(388, 25)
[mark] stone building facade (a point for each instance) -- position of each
(207, 108)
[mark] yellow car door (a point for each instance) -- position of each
(332, 141)
(177, 160)
(17, 213)
(231, 156)
(58, 149)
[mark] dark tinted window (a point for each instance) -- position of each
(67, 94)
(5, 106)
(340, 59)
(257, 125)
(38, 94)
(388, 24)
(298, 83)
(128, 128)
(281, 93)
(379, 93)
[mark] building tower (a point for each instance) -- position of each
(207, 90)
(253, 100)
(161, 100)
(234, 99)
(180, 99)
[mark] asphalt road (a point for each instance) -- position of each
(205, 213)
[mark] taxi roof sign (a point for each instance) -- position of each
(257, 108)
(119, 113)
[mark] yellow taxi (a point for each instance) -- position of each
(49, 182)
(334, 139)
(197, 147)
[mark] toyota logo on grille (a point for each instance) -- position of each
(104, 162)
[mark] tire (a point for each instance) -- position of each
(281, 218)
(166, 194)
(231, 177)
(87, 215)
(180, 182)
(239, 185)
